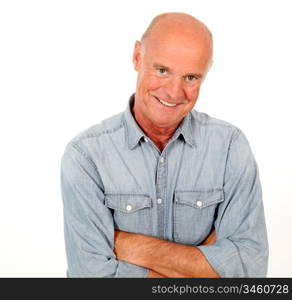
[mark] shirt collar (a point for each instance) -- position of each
(186, 129)
(134, 133)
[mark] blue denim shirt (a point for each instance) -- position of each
(114, 177)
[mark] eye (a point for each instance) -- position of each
(191, 77)
(162, 70)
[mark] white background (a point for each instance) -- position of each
(66, 65)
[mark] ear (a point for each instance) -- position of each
(137, 55)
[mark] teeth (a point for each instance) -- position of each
(166, 103)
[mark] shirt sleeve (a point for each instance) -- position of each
(241, 247)
(88, 223)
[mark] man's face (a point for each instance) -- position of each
(170, 73)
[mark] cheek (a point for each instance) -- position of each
(151, 82)
(192, 93)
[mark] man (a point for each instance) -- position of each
(162, 190)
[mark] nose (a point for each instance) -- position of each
(175, 89)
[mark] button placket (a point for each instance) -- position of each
(161, 178)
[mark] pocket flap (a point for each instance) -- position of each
(199, 199)
(127, 203)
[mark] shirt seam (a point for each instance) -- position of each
(216, 124)
(126, 194)
(200, 190)
(234, 138)
(105, 131)
(213, 121)
(80, 151)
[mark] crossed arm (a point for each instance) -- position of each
(163, 258)
(240, 250)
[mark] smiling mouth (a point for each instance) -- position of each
(165, 103)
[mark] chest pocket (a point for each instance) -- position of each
(194, 215)
(131, 212)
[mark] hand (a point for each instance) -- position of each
(122, 245)
(210, 239)
(163, 258)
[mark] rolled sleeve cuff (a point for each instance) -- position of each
(224, 259)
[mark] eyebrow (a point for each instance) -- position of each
(160, 66)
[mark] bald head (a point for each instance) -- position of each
(179, 24)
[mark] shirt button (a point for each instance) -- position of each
(159, 201)
(145, 139)
(199, 203)
(129, 207)
(162, 159)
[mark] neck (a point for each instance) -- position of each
(159, 135)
